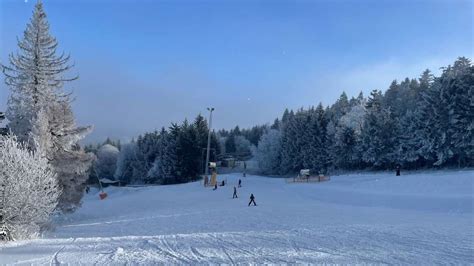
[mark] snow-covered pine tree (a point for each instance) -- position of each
(68, 159)
(164, 167)
(322, 160)
(379, 133)
(308, 138)
(450, 127)
(288, 142)
(411, 140)
(28, 190)
(190, 153)
(340, 107)
(202, 129)
(333, 114)
(39, 108)
(216, 147)
(230, 143)
(254, 134)
(463, 111)
(298, 140)
(35, 74)
(346, 148)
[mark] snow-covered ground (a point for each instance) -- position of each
(418, 218)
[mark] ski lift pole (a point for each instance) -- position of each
(210, 109)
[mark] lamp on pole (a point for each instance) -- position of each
(210, 109)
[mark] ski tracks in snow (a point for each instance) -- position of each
(359, 244)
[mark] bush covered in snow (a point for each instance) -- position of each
(28, 190)
(106, 162)
(267, 153)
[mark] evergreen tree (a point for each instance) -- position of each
(447, 112)
(202, 131)
(289, 149)
(276, 124)
(164, 167)
(410, 152)
(379, 133)
(345, 148)
(230, 143)
(39, 108)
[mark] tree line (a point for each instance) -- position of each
(169, 156)
(416, 123)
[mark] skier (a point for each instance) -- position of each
(252, 199)
(240, 183)
(235, 193)
(87, 189)
(398, 170)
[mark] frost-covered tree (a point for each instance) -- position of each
(410, 149)
(354, 119)
(319, 151)
(188, 153)
(289, 148)
(242, 145)
(379, 133)
(28, 190)
(345, 149)
(448, 114)
(106, 162)
(267, 153)
(230, 144)
(39, 108)
(125, 163)
(164, 167)
(35, 75)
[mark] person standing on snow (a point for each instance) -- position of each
(398, 170)
(252, 199)
(240, 183)
(235, 193)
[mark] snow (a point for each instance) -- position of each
(417, 218)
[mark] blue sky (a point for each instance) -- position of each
(143, 64)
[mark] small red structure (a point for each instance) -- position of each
(102, 195)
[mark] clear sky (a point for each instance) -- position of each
(143, 64)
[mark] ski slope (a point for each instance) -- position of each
(417, 218)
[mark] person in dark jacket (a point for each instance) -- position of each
(252, 199)
(240, 183)
(398, 170)
(235, 193)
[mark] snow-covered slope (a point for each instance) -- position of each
(419, 218)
